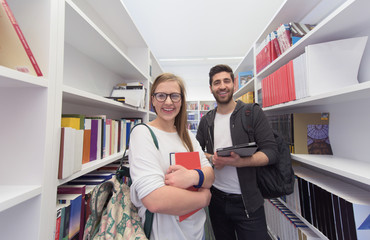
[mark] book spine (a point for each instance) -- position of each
(21, 37)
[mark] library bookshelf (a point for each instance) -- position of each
(196, 110)
(84, 48)
(348, 127)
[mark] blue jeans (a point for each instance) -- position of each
(229, 219)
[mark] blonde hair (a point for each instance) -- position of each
(181, 118)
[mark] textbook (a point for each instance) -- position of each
(189, 160)
(15, 52)
(243, 150)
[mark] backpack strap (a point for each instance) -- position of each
(247, 120)
(154, 137)
(123, 171)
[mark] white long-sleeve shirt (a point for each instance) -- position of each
(148, 167)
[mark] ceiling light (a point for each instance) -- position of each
(199, 59)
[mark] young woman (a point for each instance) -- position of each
(159, 187)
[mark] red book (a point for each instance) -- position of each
(15, 52)
(189, 160)
(58, 221)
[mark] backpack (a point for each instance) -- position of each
(113, 216)
(274, 180)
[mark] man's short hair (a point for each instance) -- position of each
(220, 68)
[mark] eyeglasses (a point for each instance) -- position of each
(161, 97)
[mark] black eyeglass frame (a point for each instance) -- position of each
(167, 94)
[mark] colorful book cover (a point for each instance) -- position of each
(318, 139)
(75, 201)
(76, 189)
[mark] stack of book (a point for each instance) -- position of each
(277, 42)
(129, 93)
(338, 213)
(323, 67)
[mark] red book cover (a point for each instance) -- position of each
(264, 92)
(285, 82)
(275, 44)
(58, 221)
(14, 50)
(61, 154)
(189, 160)
(273, 54)
(291, 81)
(284, 38)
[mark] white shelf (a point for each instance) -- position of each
(346, 94)
(13, 78)
(91, 166)
(357, 170)
(77, 96)
(84, 48)
(334, 27)
(320, 234)
(249, 87)
(14, 194)
(338, 187)
(85, 36)
(349, 168)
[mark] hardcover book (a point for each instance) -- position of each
(75, 201)
(189, 160)
(301, 121)
(15, 52)
(66, 152)
(87, 141)
(76, 189)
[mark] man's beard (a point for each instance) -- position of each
(223, 101)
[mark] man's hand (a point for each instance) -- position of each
(233, 160)
(257, 159)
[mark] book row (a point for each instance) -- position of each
(133, 94)
(284, 224)
(323, 67)
(89, 138)
(247, 97)
(74, 199)
(277, 42)
(305, 133)
(337, 216)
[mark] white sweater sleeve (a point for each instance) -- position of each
(145, 168)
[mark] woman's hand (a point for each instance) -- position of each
(179, 176)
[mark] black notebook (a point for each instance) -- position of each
(243, 150)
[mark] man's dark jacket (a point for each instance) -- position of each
(264, 138)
